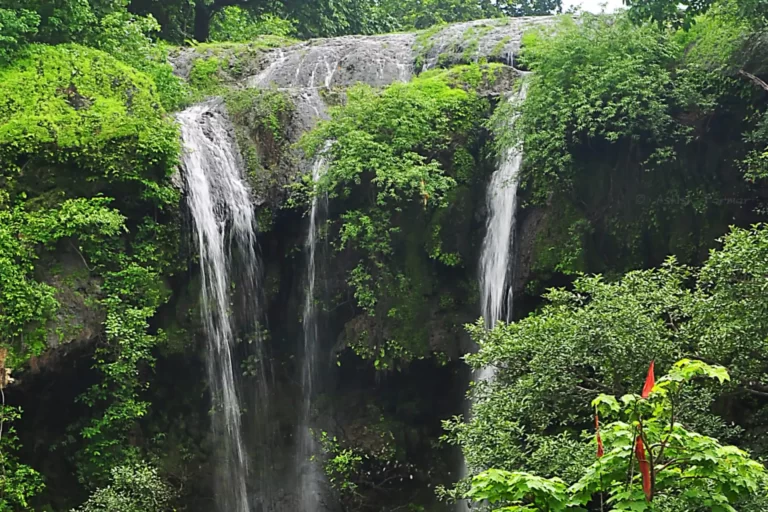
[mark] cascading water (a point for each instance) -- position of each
(221, 208)
(310, 474)
(501, 201)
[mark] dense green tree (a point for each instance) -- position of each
(65, 20)
(684, 14)
(424, 13)
(332, 18)
(238, 25)
(183, 19)
(650, 462)
(17, 26)
(599, 337)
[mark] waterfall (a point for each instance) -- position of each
(501, 201)
(220, 204)
(310, 474)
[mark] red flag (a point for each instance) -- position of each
(645, 468)
(600, 450)
(650, 381)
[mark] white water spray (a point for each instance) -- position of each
(220, 204)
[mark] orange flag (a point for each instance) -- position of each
(650, 381)
(600, 450)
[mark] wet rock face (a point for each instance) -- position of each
(495, 40)
(528, 229)
(375, 60)
(338, 62)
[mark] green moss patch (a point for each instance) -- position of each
(78, 107)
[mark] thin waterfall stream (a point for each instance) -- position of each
(310, 475)
(219, 201)
(496, 270)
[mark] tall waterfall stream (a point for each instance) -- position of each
(220, 205)
(495, 260)
(495, 269)
(310, 475)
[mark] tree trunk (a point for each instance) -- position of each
(202, 22)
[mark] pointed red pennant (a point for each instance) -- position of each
(650, 381)
(645, 468)
(600, 450)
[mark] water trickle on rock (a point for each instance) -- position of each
(303, 71)
(310, 474)
(220, 205)
(493, 40)
(341, 61)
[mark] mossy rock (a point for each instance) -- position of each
(78, 108)
(262, 120)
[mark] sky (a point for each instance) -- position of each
(593, 6)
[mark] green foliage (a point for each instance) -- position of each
(604, 332)
(86, 154)
(93, 230)
(363, 472)
(233, 23)
(134, 488)
(421, 14)
(328, 18)
(16, 27)
(561, 242)
(77, 126)
(26, 305)
(18, 482)
(129, 349)
(756, 163)
(102, 24)
(686, 15)
(340, 464)
(604, 82)
(73, 106)
(204, 75)
(686, 468)
(519, 491)
(61, 20)
(612, 130)
(389, 151)
(666, 13)
(129, 38)
(600, 80)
